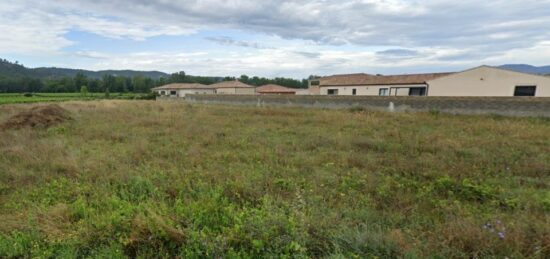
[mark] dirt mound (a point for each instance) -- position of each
(38, 117)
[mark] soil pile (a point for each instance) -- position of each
(38, 117)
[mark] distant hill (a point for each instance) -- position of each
(527, 68)
(9, 69)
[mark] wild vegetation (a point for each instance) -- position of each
(152, 179)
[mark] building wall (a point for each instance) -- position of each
(371, 90)
(233, 90)
(304, 92)
(460, 105)
(277, 93)
(225, 91)
(166, 93)
(184, 92)
(250, 90)
(313, 88)
(487, 81)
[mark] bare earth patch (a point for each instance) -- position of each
(37, 117)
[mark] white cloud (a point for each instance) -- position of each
(407, 34)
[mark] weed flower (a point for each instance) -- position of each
(497, 228)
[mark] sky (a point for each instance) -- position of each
(275, 38)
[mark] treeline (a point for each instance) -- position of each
(136, 84)
(14, 80)
(259, 81)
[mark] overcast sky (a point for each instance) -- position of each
(275, 38)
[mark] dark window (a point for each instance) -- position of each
(315, 82)
(525, 91)
(173, 93)
(354, 91)
(417, 91)
(162, 92)
(384, 92)
(332, 91)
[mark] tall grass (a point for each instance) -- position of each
(154, 179)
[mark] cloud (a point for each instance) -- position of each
(38, 29)
(324, 35)
(363, 22)
(397, 53)
(91, 54)
(228, 41)
(308, 54)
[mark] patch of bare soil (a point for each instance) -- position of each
(38, 117)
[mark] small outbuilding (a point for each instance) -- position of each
(233, 87)
(180, 90)
(272, 89)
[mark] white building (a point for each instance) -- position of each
(180, 90)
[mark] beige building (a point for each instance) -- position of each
(480, 81)
(490, 81)
(366, 84)
(233, 87)
(180, 90)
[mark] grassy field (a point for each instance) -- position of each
(152, 179)
(11, 98)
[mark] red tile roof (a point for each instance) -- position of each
(366, 79)
(183, 86)
(272, 88)
(231, 84)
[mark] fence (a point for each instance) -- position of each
(511, 106)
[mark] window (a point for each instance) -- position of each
(332, 91)
(384, 92)
(417, 91)
(525, 91)
(173, 93)
(315, 82)
(162, 92)
(354, 91)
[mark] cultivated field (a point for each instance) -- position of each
(149, 179)
(10, 98)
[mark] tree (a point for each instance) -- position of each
(68, 85)
(179, 77)
(139, 84)
(84, 91)
(244, 79)
(94, 86)
(80, 79)
(120, 84)
(161, 81)
(108, 82)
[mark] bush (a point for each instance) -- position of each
(149, 96)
